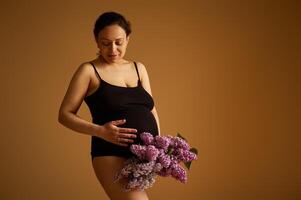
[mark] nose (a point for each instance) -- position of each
(113, 47)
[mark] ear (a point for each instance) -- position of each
(128, 38)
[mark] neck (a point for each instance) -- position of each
(104, 61)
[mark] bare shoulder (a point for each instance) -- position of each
(142, 70)
(140, 65)
(84, 69)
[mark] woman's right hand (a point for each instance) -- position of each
(117, 135)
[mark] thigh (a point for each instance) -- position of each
(105, 168)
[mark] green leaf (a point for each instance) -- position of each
(194, 150)
(187, 164)
(180, 136)
(169, 151)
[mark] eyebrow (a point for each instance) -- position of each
(110, 40)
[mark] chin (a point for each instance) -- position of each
(114, 60)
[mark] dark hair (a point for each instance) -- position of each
(111, 18)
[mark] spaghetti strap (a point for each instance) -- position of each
(95, 70)
(137, 71)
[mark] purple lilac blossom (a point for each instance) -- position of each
(180, 143)
(158, 167)
(164, 160)
(157, 156)
(143, 168)
(147, 138)
(179, 173)
(165, 172)
(138, 150)
(162, 142)
(151, 153)
(141, 183)
(185, 155)
(171, 140)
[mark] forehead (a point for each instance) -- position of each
(112, 32)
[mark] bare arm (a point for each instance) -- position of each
(146, 85)
(73, 99)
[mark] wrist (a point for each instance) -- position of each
(97, 130)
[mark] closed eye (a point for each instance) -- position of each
(108, 43)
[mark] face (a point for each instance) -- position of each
(112, 42)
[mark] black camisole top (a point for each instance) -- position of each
(111, 102)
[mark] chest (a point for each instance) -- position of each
(124, 77)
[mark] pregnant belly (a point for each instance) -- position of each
(141, 119)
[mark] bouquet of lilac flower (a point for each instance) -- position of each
(159, 155)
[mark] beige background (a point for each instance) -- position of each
(223, 73)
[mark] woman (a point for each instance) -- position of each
(118, 94)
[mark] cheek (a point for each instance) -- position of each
(104, 49)
(122, 48)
